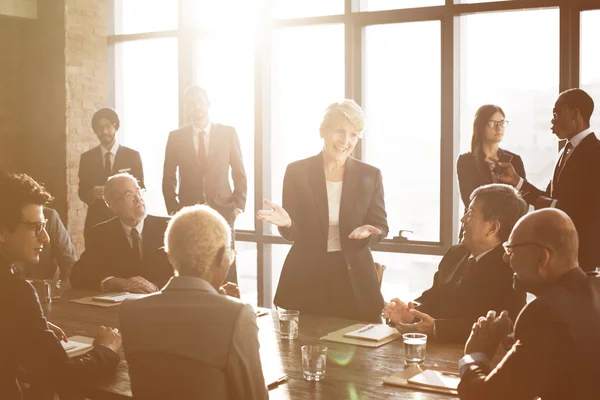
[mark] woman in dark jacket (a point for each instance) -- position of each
(475, 168)
(333, 211)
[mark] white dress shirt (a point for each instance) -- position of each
(334, 199)
(112, 151)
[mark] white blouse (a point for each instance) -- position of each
(334, 198)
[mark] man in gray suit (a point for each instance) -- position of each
(212, 348)
(198, 159)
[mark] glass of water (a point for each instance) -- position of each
(314, 361)
(414, 348)
(288, 323)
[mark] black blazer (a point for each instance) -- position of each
(27, 341)
(108, 253)
(457, 303)
(181, 164)
(577, 190)
(91, 174)
(557, 352)
(305, 199)
(469, 178)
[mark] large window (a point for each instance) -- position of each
(307, 74)
(136, 16)
(403, 103)
(146, 120)
(590, 60)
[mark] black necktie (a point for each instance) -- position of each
(137, 249)
(563, 158)
(471, 263)
(107, 168)
(201, 151)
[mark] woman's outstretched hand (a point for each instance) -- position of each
(276, 216)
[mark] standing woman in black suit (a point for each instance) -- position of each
(474, 169)
(333, 211)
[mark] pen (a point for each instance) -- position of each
(115, 294)
(366, 328)
(278, 382)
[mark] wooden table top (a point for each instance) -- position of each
(352, 372)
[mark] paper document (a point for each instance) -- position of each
(373, 332)
(77, 345)
(436, 379)
(118, 297)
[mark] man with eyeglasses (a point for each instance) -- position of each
(211, 350)
(104, 160)
(472, 277)
(27, 340)
(124, 253)
(575, 185)
(557, 350)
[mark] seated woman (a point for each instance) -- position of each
(333, 210)
(189, 341)
(476, 168)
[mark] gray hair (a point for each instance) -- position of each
(195, 236)
(349, 110)
(111, 185)
(501, 203)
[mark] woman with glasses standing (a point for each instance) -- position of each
(479, 166)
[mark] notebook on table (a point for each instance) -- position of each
(436, 379)
(118, 297)
(372, 332)
(339, 336)
(77, 345)
(430, 380)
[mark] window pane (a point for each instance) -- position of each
(402, 105)
(590, 59)
(307, 75)
(137, 16)
(406, 275)
(247, 272)
(307, 8)
(498, 67)
(378, 5)
(224, 66)
(218, 15)
(142, 67)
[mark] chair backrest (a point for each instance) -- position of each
(379, 269)
(166, 376)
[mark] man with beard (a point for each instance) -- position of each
(557, 353)
(105, 160)
(575, 185)
(472, 278)
(124, 253)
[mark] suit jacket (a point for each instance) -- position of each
(181, 164)
(108, 253)
(27, 341)
(470, 178)
(58, 253)
(456, 302)
(577, 190)
(305, 199)
(557, 352)
(215, 336)
(91, 174)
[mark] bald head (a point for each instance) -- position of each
(553, 229)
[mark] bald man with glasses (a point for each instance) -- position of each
(124, 253)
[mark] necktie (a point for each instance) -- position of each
(563, 157)
(471, 263)
(201, 151)
(107, 167)
(137, 249)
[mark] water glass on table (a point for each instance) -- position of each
(288, 323)
(414, 348)
(314, 361)
(48, 290)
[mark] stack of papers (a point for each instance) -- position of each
(436, 379)
(118, 297)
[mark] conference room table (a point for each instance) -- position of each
(352, 372)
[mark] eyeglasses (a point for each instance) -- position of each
(130, 196)
(508, 247)
(38, 227)
(493, 124)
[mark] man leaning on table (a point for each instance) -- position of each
(124, 253)
(472, 277)
(211, 350)
(557, 351)
(27, 340)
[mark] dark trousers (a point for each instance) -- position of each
(336, 289)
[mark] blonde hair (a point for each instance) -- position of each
(194, 237)
(349, 110)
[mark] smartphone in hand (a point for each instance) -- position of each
(504, 158)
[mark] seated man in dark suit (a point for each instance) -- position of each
(26, 339)
(57, 258)
(472, 277)
(557, 352)
(211, 350)
(124, 253)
